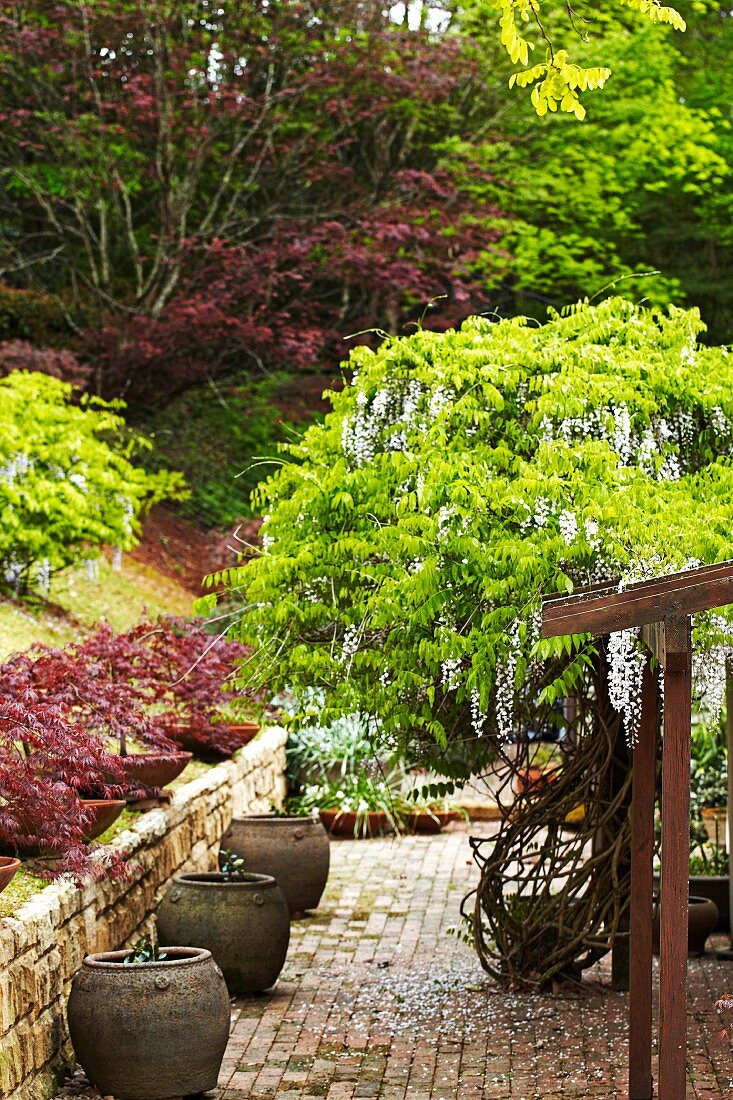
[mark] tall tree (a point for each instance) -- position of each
(211, 186)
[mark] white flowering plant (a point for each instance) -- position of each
(68, 481)
(459, 476)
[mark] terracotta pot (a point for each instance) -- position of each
(345, 823)
(153, 769)
(153, 1030)
(433, 822)
(294, 850)
(191, 740)
(533, 780)
(104, 811)
(715, 820)
(8, 866)
(244, 924)
(702, 918)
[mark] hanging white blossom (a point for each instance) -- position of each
(626, 665)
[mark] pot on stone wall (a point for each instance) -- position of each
(294, 850)
(188, 738)
(244, 923)
(716, 888)
(153, 1030)
(8, 866)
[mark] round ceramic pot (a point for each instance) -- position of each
(345, 823)
(702, 917)
(150, 1031)
(102, 812)
(8, 866)
(153, 769)
(294, 850)
(244, 923)
(192, 741)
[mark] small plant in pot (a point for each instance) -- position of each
(240, 916)
(709, 780)
(149, 1023)
(358, 805)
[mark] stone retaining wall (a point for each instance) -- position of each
(43, 944)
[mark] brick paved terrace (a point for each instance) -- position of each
(376, 1000)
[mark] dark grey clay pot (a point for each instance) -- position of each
(153, 1030)
(294, 850)
(702, 917)
(244, 923)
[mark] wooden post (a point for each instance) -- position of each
(642, 853)
(675, 857)
(729, 738)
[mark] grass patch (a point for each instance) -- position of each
(217, 436)
(23, 887)
(76, 604)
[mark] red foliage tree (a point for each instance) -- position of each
(239, 186)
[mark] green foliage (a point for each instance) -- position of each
(144, 951)
(643, 186)
(231, 865)
(558, 81)
(458, 478)
(220, 437)
(708, 767)
(68, 485)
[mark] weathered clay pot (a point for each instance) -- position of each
(102, 813)
(8, 866)
(294, 850)
(244, 923)
(702, 917)
(345, 823)
(153, 1030)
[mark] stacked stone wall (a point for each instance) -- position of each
(42, 945)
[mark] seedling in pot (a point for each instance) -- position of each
(231, 865)
(144, 951)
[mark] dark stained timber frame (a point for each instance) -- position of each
(662, 608)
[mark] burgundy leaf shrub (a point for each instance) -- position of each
(193, 674)
(44, 762)
(63, 364)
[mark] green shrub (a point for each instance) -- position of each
(68, 485)
(217, 436)
(459, 477)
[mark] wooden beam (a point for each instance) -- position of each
(600, 611)
(675, 856)
(642, 854)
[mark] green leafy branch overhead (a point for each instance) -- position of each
(557, 82)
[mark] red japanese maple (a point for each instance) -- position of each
(44, 762)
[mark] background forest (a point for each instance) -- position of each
(204, 205)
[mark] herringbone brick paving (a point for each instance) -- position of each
(376, 1000)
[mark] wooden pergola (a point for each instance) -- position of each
(662, 608)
